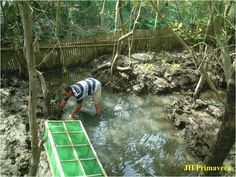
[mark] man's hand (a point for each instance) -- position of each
(72, 116)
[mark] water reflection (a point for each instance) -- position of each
(132, 137)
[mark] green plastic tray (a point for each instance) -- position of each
(69, 150)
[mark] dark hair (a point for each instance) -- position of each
(67, 89)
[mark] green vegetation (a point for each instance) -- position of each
(84, 18)
(147, 66)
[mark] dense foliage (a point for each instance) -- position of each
(82, 18)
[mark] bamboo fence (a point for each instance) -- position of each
(80, 50)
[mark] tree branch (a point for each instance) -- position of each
(45, 93)
(115, 60)
(103, 6)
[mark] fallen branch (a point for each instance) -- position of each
(108, 65)
(128, 68)
(101, 67)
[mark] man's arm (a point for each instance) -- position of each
(62, 104)
(76, 109)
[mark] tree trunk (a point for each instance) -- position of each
(217, 23)
(117, 55)
(116, 24)
(103, 16)
(122, 23)
(26, 16)
(3, 13)
(130, 39)
(57, 19)
(122, 20)
(226, 135)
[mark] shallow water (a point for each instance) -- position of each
(132, 137)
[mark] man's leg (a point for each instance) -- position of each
(98, 109)
(97, 102)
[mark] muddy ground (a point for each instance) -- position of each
(152, 73)
(156, 73)
(14, 128)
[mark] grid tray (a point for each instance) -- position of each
(69, 150)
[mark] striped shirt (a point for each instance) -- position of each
(85, 88)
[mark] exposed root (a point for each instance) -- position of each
(108, 65)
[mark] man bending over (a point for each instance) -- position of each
(81, 90)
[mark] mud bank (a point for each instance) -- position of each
(155, 73)
(199, 120)
(15, 136)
